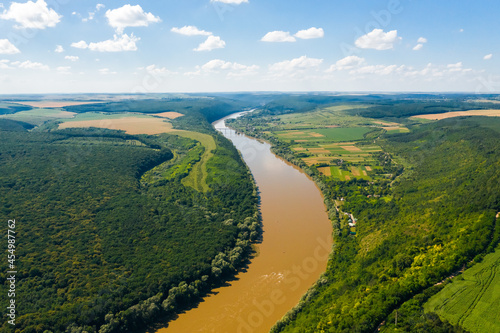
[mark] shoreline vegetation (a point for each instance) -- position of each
(107, 215)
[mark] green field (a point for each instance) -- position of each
(473, 299)
(38, 116)
(198, 174)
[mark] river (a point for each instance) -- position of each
(293, 254)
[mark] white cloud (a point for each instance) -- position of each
(377, 39)
(30, 65)
(117, 44)
(212, 42)
(6, 47)
(461, 30)
(418, 47)
(129, 16)
(421, 41)
(310, 33)
(80, 45)
(377, 69)
(157, 71)
(72, 58)
(346, 63)
(234, 2)
(233, 68)
(295, 64)
(98, 7)
(278, 36)
(488, 56)
(34, 15)
(59, 49)
(190, 30)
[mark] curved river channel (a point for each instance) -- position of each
(293, 254)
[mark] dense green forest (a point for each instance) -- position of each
(102, 235)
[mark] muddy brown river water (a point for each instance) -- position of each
(293, 254)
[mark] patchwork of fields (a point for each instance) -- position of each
(332, 140)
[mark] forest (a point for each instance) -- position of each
(102, 233)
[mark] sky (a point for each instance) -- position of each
(118, 46)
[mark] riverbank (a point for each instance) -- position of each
(292, 256)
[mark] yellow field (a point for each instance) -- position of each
(131, 125)
(169, 115)
(327, 171)
(439, 116)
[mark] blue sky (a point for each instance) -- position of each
(70, 46)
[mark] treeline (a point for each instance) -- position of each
(211, 108)
(106, 248)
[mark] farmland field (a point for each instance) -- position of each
(438, 116)
(131, 125)
(469, 300)
(335, 134)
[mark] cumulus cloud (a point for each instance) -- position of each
(377, 39)
(234, 2)
(71, 58)
(129, 16)
(30, 65)
(278, 36)
(421, 41)
(119, 43)
(300, 63)
(377, 69)
(156, 71)
(80, 45)
(233, 68)
(6, 47)
(98, 7)
(190, 30)
(346, 63)
(212, 42)
(418, 47)
(59, 49)
(488, 56)
(310, 33)
(33, 15)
